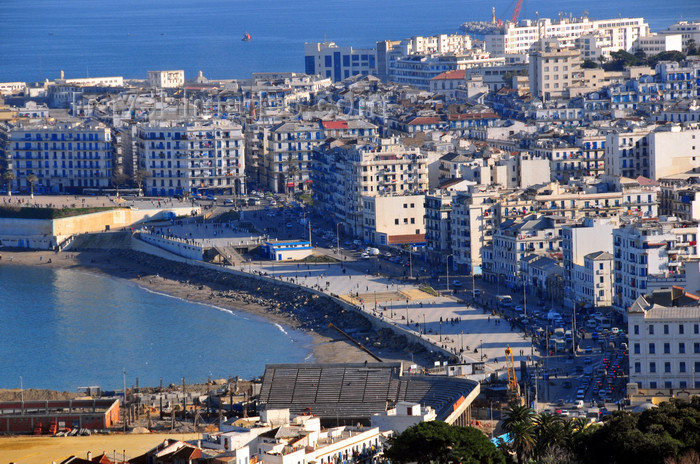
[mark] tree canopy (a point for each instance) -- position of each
(438, 442)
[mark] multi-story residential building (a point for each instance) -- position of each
(619, 33)
(664, 341)
(194, 156)
(418, 70)
(651, 255)
(474, 218)
(578, 241)
(388, 51)
(65, 157)
(329, 60)
(394, 219)
(688, 31)
(438, 229)
(653, 44)
(166, 79)
(553, 70)
(346, 172)
(593, 282)
(627, 153)
(516, 238)
(287, 160)
(679, 196)
(663, 152)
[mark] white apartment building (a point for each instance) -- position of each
(394, 220)
(657, 43)
(286, 163)
(664, 341)
(474, 218)
(344, 173)
(194, 156)
(388, 51)
(593, 282)
(166, 79)
(327, 59)
(626, 153)
(553, 70)
(674, 150)
(515, 239)
(419, 70)
(687, 30)
(66, 157)
(578, 241)
(679, 196)
(620, 33)
(651, 255)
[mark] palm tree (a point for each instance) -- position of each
(292, 171)
(547, 432)
(519, 424)
(8, 177)
(31, 178)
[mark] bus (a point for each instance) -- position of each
(504, 301)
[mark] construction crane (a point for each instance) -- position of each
(513, 386)
(516, 12)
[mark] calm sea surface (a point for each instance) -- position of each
(62, 329)
(38, 38)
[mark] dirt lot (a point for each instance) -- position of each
(44, 450)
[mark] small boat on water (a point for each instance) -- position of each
(246, 37)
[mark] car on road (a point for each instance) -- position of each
(477, 292)
(579, 404)
(587, 360)
(364, 256)
(228, 201)
(289, 225)
(518, 308)
(456, 283)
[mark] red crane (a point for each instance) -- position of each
(516, 12)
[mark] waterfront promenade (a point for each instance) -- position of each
(466, 331)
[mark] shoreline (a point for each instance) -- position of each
(276, 304)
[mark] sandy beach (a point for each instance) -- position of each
(328, 345)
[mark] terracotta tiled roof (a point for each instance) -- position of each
(335, 124)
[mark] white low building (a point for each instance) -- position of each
(403, 416)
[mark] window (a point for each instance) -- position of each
(681, 366)
(667, 348)
(637, 349)
(681, 329)
(696, 347)
(652, 367)
(696, 329)
(668, 384)
(652, 384)
(651, 329)
(665, 329)
(652, 348)
(637, 367)
(636, 330)
(697, 366)
(396, 222)
(681, 348)
(667, 367)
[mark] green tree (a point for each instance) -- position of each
(691, 48)
(438, 442)
(665, 56)
(119, 177)
(589, 64)
(8, 177)
(31, 178)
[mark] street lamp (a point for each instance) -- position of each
(337, 234)
(407, 320)
(481, 344)
(447, 266)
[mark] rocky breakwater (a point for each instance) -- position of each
(293, 305)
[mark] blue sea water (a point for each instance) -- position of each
(61, 329)
(39, 38)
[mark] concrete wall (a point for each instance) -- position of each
(180, 247)
(44, 234)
